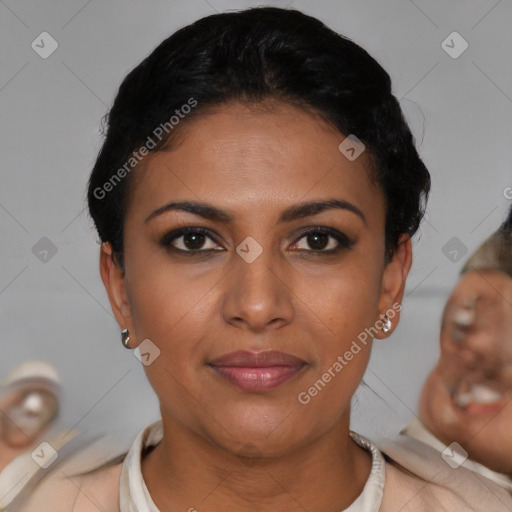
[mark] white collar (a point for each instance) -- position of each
(417, 430)
(371, 497)
(134, 495)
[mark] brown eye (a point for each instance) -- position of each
(323, 240)
(317, 241)
(193, 240)
(190, 239)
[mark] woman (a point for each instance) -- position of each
(256, 195)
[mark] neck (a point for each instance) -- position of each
(186, 472)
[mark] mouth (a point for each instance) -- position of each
(257, 371)
(480, 399)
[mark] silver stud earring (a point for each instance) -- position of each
(125, 337)
(386, 326)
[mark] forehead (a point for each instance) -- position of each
(487, 284)
(484, 281)
(249, 155)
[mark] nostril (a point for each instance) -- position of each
(469, 358)
(458, 335)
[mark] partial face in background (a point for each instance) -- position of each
(256, 281)
(468, 396)
(27, 410)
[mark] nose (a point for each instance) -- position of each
(259, 294)
(477, 347)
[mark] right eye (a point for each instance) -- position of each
(189, 240)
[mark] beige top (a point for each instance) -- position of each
(417, 479)
(16, 476)
(417, 430)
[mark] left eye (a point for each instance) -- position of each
(318, 240)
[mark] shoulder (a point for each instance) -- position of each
(62, 492)
(418, 479)
(85, 479)
(407, 492)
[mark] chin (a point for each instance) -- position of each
(491, 447)
(270, 428)
(492, 453)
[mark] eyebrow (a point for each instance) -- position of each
(299, 211)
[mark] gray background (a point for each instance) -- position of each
(460, 111)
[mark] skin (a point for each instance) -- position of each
(479, 353)
(225, 448)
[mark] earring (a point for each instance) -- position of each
(125, 337)
(386, 326)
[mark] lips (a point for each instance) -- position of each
(257, 371)
(480, 399)
(479, 394)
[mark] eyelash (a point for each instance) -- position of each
(344, 242)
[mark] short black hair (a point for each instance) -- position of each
(250, 56)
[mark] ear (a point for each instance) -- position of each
(393, 283)
(113, 278)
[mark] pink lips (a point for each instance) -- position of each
(257, 371)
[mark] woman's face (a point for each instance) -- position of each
(252, 280)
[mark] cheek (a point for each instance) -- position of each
(173, 310)
(166, 300)
(344, 308)
(349, 313)
(350, 302)
(436, 405)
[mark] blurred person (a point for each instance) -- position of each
(29, 405)
(32, 442)
(467, 398)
